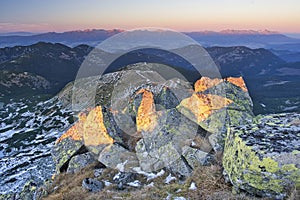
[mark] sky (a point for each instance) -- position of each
(181, 15)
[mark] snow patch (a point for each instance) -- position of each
(149, 176)
(135, 183)
(169, 178)
(263, 105)
(193, 186)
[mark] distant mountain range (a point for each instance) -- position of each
(18, 33)
(45, 68)
(70, 38)
(249, 38)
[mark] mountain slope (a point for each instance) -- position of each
(50, 65)
(46, 68)
(235, 61)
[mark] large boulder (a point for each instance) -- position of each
(263, 158)
(80, 161)
(217, 104)
(164, 134)
(128, 92)
(69, 145)
(117, 157)
(95, 135)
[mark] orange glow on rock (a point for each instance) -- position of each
(202, 106)
(75, 132)
(205, 83)
(146, 118)
(238, 81)
(95, 132)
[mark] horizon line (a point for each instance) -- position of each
(121, 29)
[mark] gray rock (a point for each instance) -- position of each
(28, 191)
(241, 99)
(80, 161)
(166, 98)
(180, 168)
(194, 157)
(263, 158)
(123, 178)
(92, 185)
(162, 147)
(124, 99)
(117, 157)
(63, 151)
(98, 172)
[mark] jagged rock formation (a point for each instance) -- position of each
(218, 104)
(157, 124)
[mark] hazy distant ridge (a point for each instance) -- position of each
(250, 38)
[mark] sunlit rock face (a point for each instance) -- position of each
(218, 104)
(263, 158)
(75, 132)
(146, 118)
(238, 81)
(203, 105)
(95, 133)
(205, 82)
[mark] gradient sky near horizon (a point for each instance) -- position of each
(182, 15)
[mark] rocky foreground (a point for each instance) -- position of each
(157, 132)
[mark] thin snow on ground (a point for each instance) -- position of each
(169, 178)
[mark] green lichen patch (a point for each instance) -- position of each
(260, 159)
(63, 151)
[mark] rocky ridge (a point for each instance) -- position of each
(183, 133)
(158, 127)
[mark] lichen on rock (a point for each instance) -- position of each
(218, 104)
(68, 144)
(259, 157)
(117, 157)
(80, 161)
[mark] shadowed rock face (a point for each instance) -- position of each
(69, 144)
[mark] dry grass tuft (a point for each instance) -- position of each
(209, 182)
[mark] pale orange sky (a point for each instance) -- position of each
(181, 15)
